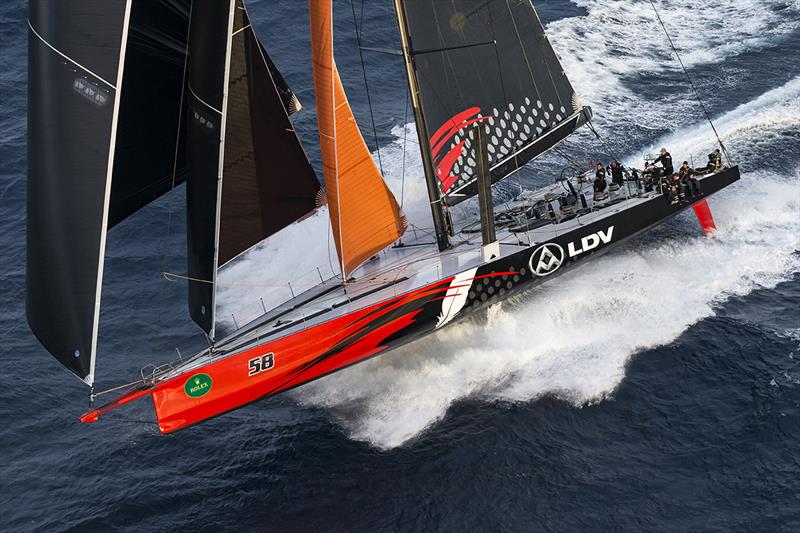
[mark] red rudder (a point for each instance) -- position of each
(703, 213)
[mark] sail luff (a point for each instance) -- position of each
(107, 199)
(321, 15)
(365, 216)
(221, 167)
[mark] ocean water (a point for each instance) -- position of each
(654, 389)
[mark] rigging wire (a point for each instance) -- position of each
(165, 241)
(405, 143)
(171, 276)
(691, 83)
(517, 171)
(568, 158)
(364, 72)
(600, 138)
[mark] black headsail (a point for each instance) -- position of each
(490, 62)
(248, 174)
(88, 123)
(109, 131)
(147, 162)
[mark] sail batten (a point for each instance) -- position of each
(365, 216)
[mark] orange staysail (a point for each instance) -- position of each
(364, 213)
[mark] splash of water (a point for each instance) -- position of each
(573, 338)
(749, 129)
(616, 39)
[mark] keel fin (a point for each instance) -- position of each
(705, 217)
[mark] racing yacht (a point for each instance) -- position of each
(129, 99)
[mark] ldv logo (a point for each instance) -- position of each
(590, 242)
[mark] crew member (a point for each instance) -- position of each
(650, 176)
(666, 161)
(600, 171)
(686, 175)
(616, 173)
(600, 183)
(669, 187)
(714, 163)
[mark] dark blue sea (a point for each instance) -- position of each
(654, 389)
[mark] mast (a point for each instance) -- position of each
(434, 192)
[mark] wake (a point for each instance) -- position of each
(572, 341)
(569, 339)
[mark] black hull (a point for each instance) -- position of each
(627, 223)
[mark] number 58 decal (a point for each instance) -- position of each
(261, 363)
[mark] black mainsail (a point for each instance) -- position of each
(248, 174)
(488, 62)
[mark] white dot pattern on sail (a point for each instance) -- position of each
(507, 130)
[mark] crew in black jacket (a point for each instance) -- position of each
(666, 161)
(600, 183)
(616, 173)
(686, 174)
